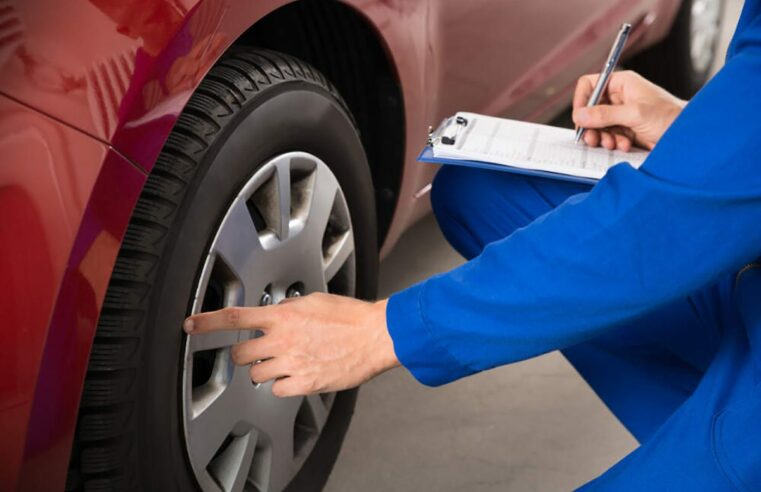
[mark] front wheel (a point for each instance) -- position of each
(262, 192)
(682, 62)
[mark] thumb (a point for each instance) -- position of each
(605, 115)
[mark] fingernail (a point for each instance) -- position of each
(188, 325)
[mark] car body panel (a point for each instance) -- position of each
(92, 89)
(71, 197)
(74, 320)
(123, 78)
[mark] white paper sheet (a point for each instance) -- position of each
(531, 146)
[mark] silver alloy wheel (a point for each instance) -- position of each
(287, 232)
(705, 26)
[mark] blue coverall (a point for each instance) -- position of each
(648, 282)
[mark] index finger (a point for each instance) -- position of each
(584, 87)
(233, 318)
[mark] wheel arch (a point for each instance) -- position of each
(345, 46)
(350, 44)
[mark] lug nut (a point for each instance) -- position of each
(293, 292)
(266, 299)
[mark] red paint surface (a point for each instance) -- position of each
(91, 81)
(64, 201)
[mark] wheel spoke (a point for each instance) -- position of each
(318, 411)
(323, 199)
(284, 198)
(277, 421)
(267, 412)
(209, 429)
(338, 253)
(212, 340)
(237, 241)
(282, 463)
(244, 456)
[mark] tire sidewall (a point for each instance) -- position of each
(291, 116)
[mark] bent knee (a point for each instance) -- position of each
(464, 201)
(442, 187)
(456, 189)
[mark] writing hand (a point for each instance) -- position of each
(633, 111)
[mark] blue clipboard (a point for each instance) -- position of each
(427, 156)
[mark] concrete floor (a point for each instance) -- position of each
(532, 426)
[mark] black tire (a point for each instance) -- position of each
(669, 63)
(253, 105)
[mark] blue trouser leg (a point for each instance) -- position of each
(668, 376)
(475, 207)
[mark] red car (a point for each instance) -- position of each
(161, 157)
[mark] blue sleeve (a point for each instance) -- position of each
(638, 240)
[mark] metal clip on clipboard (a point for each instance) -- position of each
(448, 132)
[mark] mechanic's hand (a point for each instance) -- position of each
(633, 111)
(312, 344)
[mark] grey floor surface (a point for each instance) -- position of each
(532, 426)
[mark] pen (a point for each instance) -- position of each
(607, 70)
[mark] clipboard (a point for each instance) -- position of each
(529, 149)
(426, 156)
